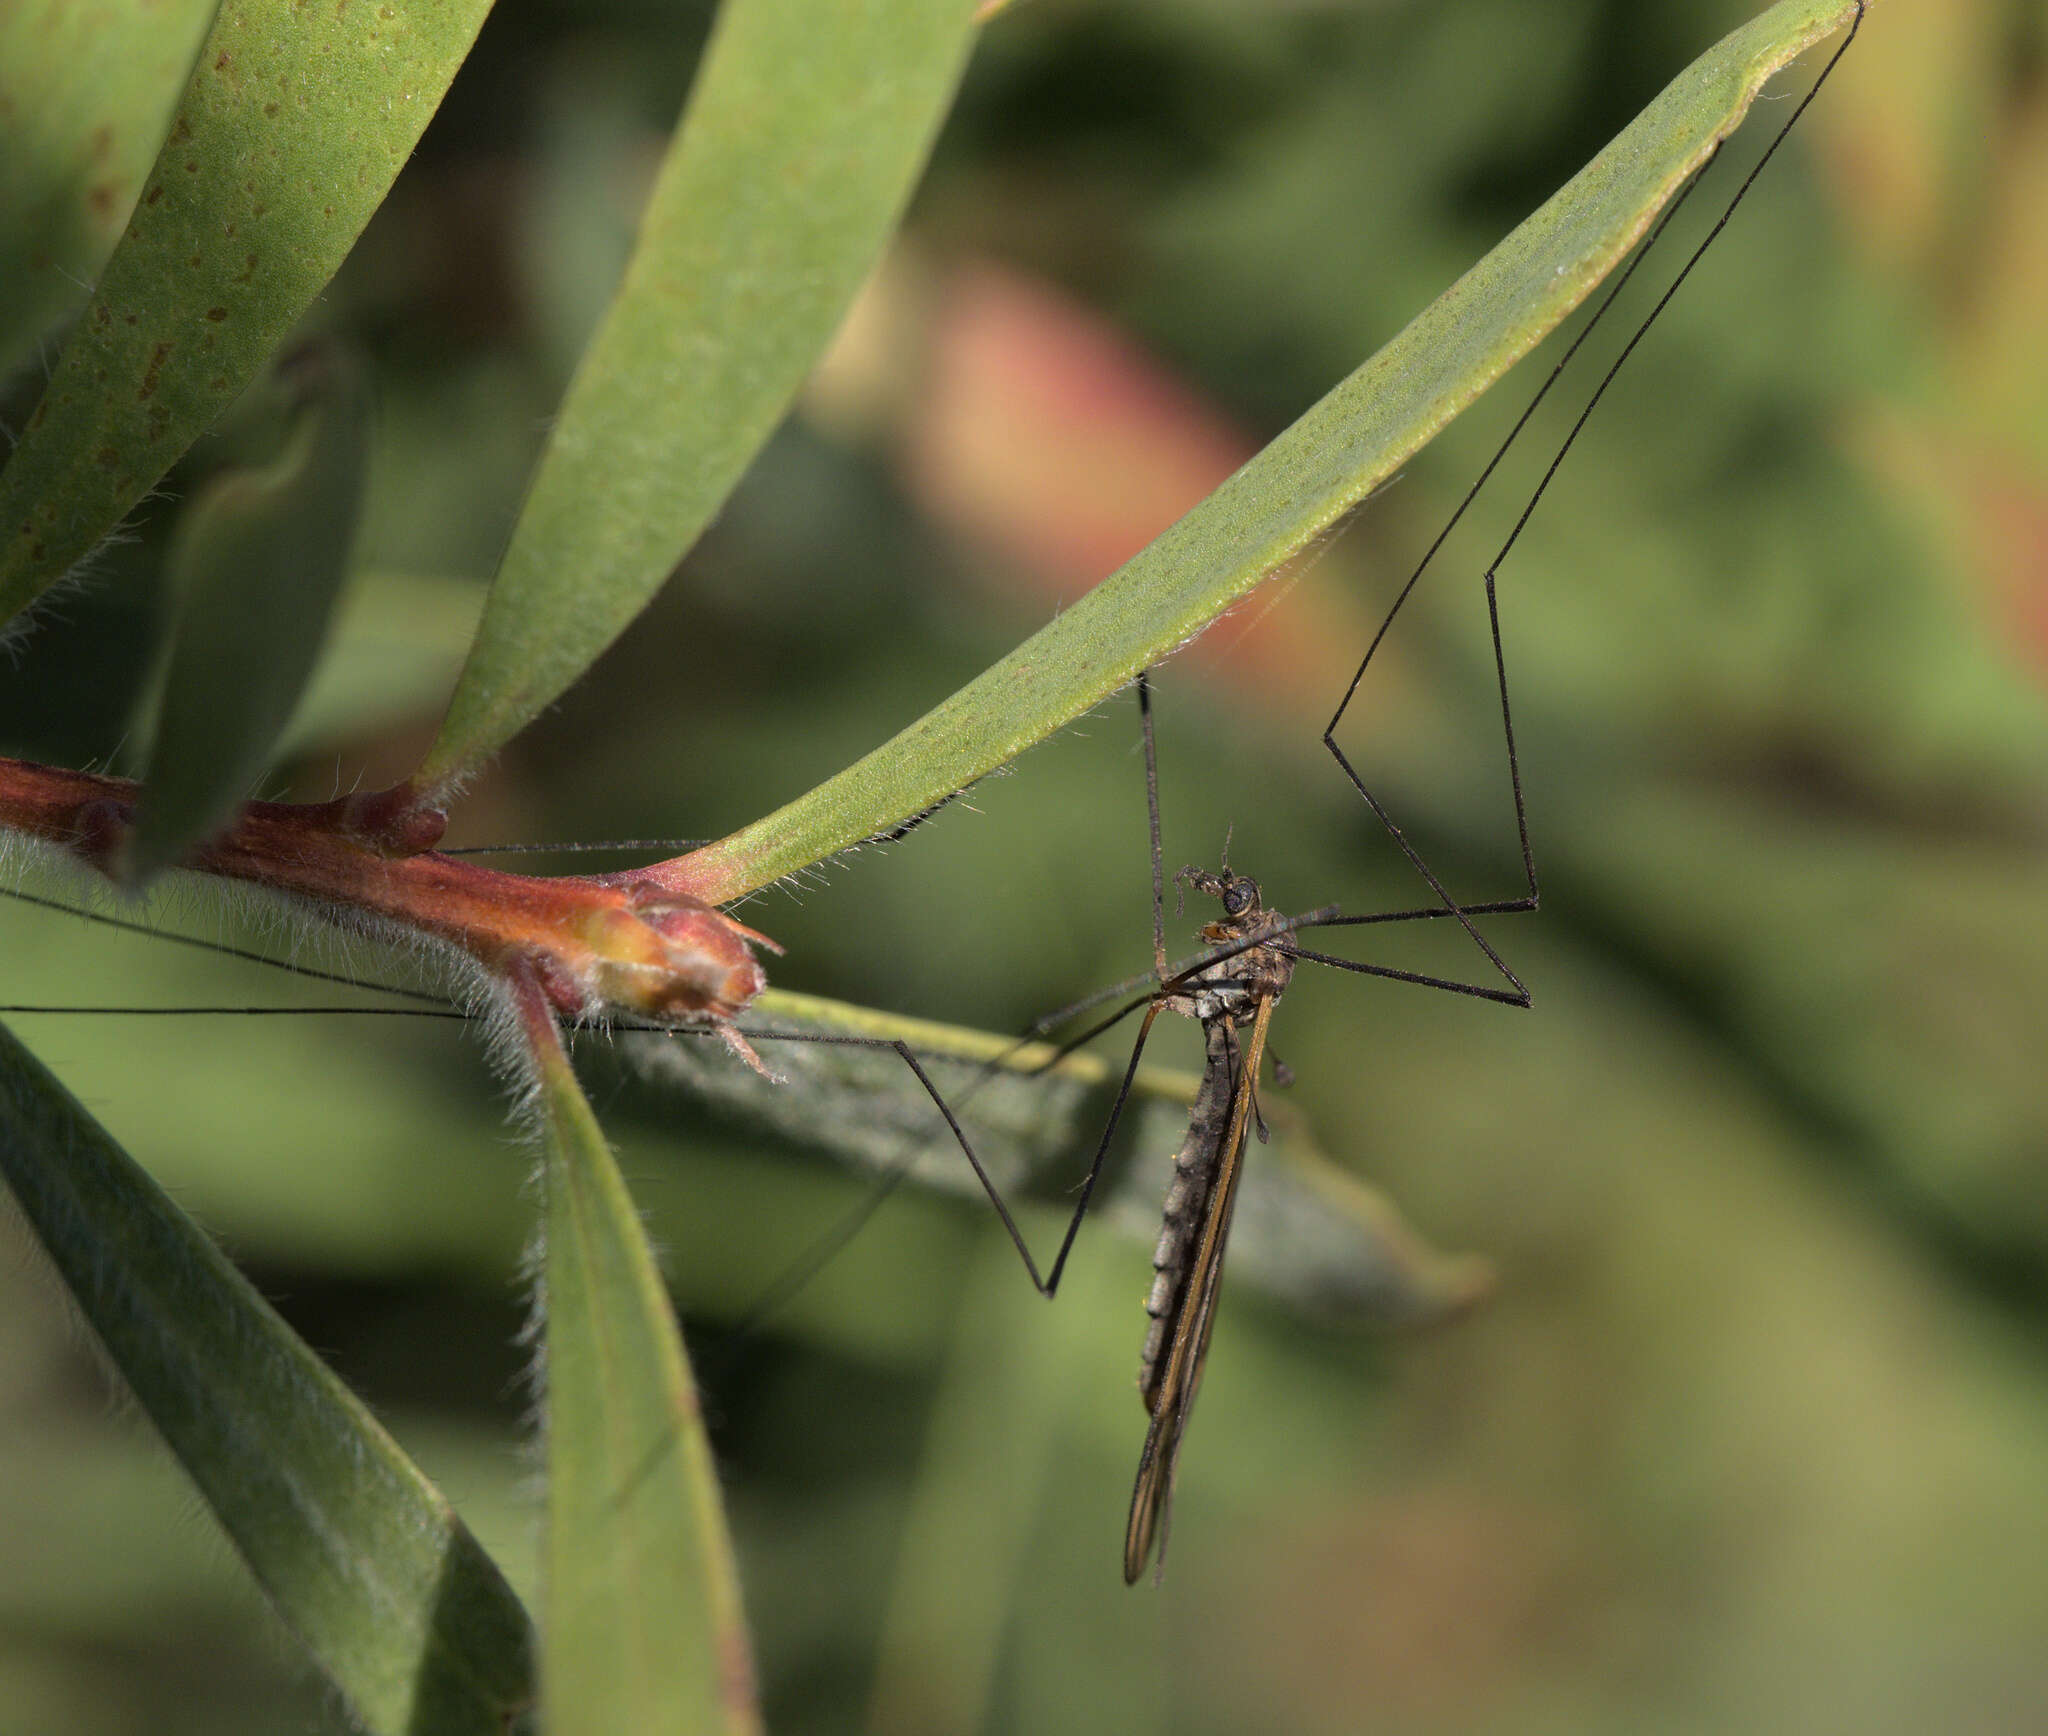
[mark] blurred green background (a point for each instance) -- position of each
(1754, 1435)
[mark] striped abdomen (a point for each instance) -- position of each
(1187, 1201)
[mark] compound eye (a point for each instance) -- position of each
(1239, 896)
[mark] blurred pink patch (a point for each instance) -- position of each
(2011, 521)
(1051, 441)
(1986, 509)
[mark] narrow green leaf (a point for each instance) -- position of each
(1307, 1231)
(256, 566)
(644, 1625)
(362, 1556)
(805, 132)
(86, 90)
(1298, 487)
(295, 122)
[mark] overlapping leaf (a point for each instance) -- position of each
(292, 128)
(1301, 484)
(86, 88)
(643, 1618)
(361, 1555)
(805, 133)
(258, 563)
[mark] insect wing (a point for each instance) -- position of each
(1174, 1400)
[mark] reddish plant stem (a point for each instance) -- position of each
(592, 943)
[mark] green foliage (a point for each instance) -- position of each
(1758, 1403)
(86, 88)
(288, 136)
(1300, 485)
(643, 1617)
(259, 561)
(360, 1554)
(804, 135)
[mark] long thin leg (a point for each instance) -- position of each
(1528, 901)
(1515, 997)
(1177, 976)
(822, 1252)
(1159, 968)
(220, 948)
(216, 1012)
(827, 1247)
(807, 1268)
(815, 1258)
(1048, 1284)
(1516, 994)
(1045, 1282)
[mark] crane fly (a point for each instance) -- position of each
(1230, 990)
(1239, 986)
(1188, 1263)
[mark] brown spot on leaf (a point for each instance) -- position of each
(221, 63)
(191, 165)
(216, 313)
(154, 194)
(102, 143)
(100, 196)
(270, 108)
(181, 131)
(108, 457)
(158, 355)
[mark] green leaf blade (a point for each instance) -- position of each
(257, 565)
(292, 128)
(86, 90)
(360, 1553)
(1300, 485)
(645, 1629)
(805, 132)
